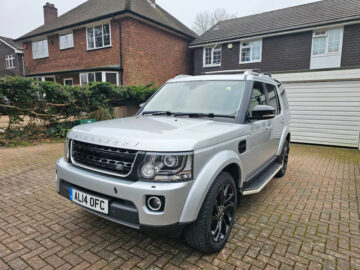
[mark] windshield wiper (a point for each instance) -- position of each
(209, 115)
(157, 113)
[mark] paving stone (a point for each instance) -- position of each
(308, 219)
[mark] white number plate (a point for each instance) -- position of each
(89, 201)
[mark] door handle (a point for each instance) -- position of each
(283, 121)
(268, 128)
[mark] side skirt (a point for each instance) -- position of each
(257, 184)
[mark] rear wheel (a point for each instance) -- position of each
(210, 232)
(284, 158)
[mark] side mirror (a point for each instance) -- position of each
(142, 105)
(262, 112)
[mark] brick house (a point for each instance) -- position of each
(314, 49)
(125, 42)
(12, 58)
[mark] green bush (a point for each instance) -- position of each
(53, 102)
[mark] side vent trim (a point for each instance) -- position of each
(242, 147)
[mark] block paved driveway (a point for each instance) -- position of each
(309, 219)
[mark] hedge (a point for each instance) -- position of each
(52, 102)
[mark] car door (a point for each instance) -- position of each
(276, 124)
(258, 149)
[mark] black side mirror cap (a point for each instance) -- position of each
(262, 112)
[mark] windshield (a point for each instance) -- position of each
(205, 97)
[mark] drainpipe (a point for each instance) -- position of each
(121, 53)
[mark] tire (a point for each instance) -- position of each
(284, 158)
(210, 232)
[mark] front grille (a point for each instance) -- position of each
(102, 158)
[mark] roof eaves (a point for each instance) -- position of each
(11, 46)
(74, 25)
(126, 10)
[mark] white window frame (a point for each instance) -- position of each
(103, 76)
(94, 39)
(42, 78)
(10, 61)
(326, 34)
(68, 79)
(214, 48)
(251, 49)
(65, 34)
(47, 49)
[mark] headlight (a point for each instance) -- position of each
(167, 167)
(67, 150)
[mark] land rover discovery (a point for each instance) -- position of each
(182, 162)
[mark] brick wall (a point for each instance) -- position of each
(152, 55)
(351, 46)
(74, 58)
(281, 53)
(4, 51)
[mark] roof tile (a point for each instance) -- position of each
(293, 18)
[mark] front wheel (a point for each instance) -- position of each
(284, 158)
(210, 232)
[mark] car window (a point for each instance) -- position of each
(218, 97)
(273, 99)
(284, 97)
(258, 97)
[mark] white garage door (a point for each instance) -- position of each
(325, 113)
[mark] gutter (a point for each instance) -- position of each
(121, 53)
(274, 33)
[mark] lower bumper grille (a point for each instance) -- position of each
(102, 158)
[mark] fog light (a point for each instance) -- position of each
(155, 203)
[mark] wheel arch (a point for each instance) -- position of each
(228, 161)
(286, 135)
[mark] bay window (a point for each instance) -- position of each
(103, 76)
(98, 37)
(250, 51)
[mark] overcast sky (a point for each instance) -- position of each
(18, 17)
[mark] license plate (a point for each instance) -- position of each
(89, 201)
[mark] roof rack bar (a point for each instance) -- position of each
(234, 71)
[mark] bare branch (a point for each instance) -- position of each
(205, 20)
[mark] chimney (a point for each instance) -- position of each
(152, 2)
(50, 13)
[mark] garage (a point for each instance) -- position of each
(325, 110)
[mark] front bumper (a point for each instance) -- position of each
(127, 198)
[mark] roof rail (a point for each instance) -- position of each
(182, 76)
(235, 71)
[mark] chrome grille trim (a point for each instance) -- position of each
(102, 159)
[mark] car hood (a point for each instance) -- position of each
(158, 133)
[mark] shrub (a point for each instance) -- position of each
(53, 102)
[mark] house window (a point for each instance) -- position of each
(250, 52)
(40, 49)
(66, 41)
(68, 82)
(212, 56)
(90, 77)
(10, 61)
(98, 37)
(326, 42)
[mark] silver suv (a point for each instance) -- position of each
(180, 165)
